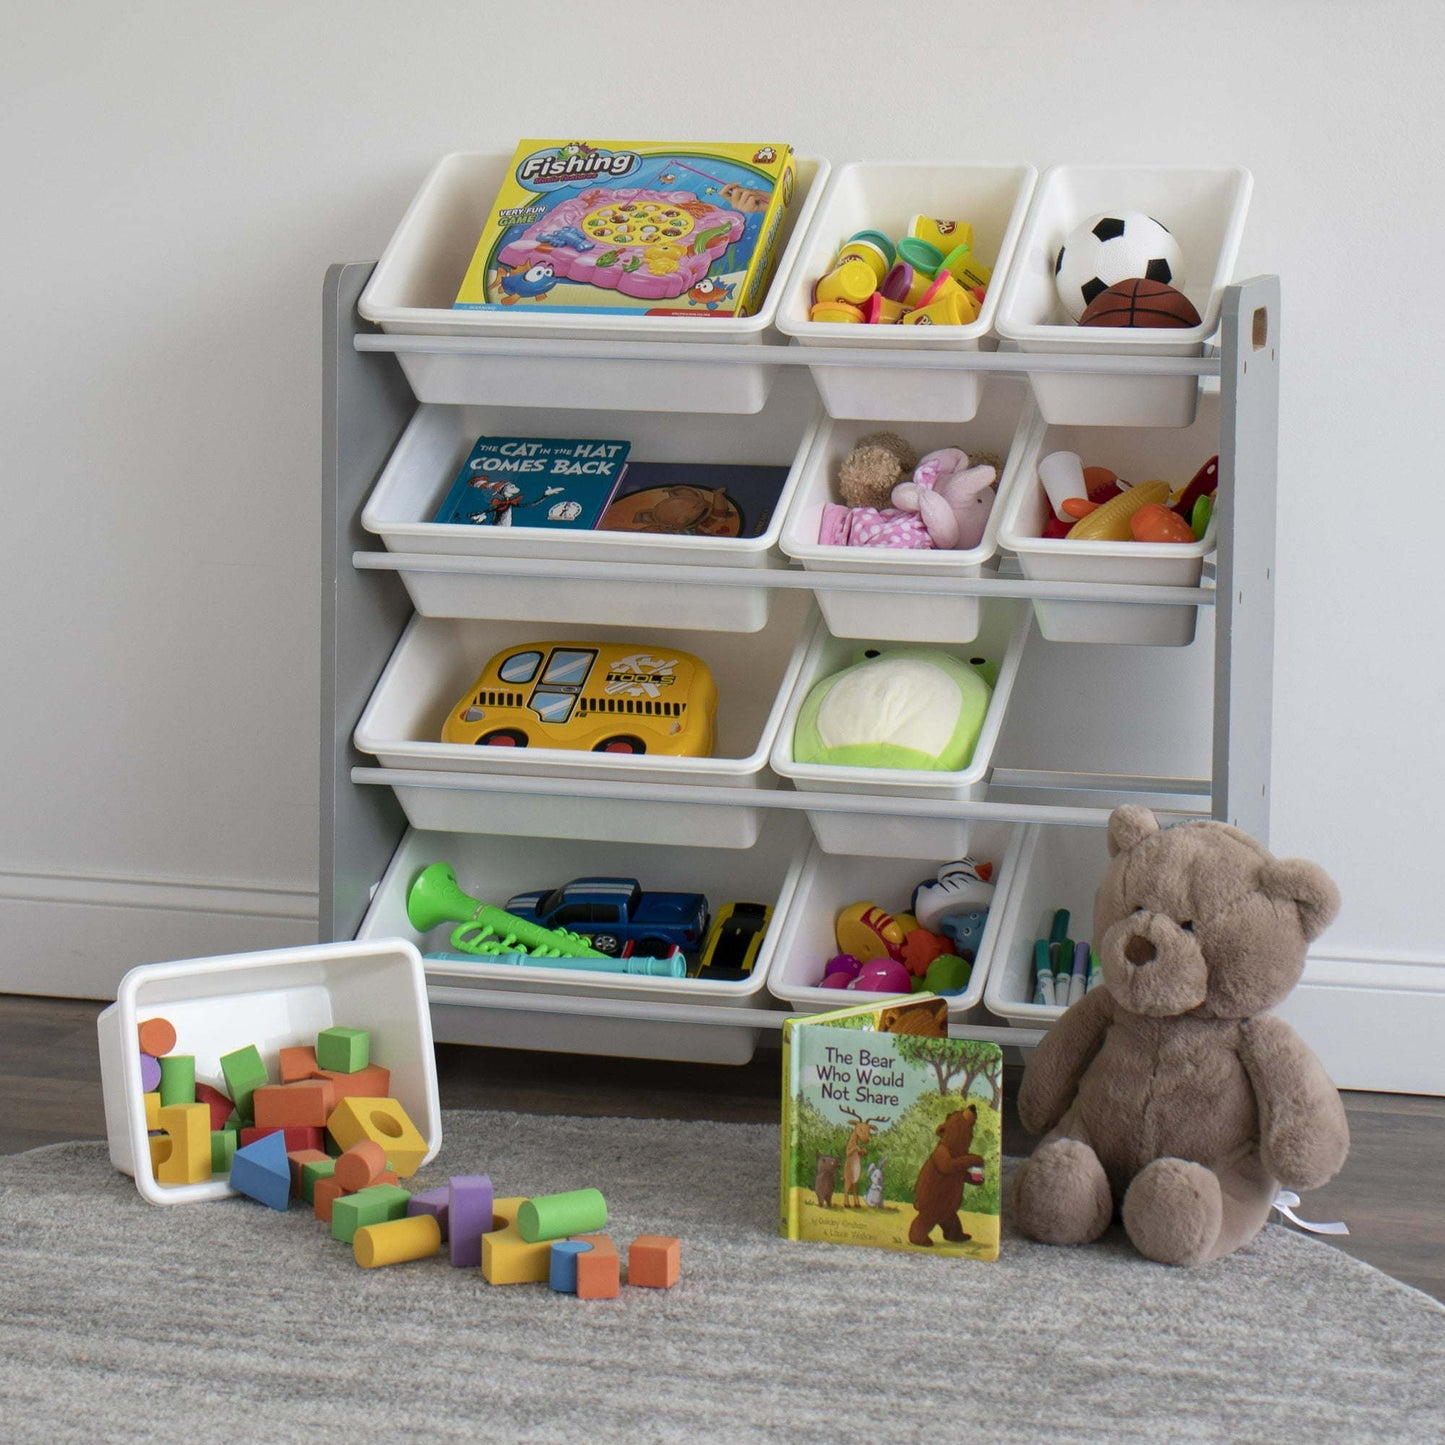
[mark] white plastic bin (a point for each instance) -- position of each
(436, 443)
(1136, 454)
(273, 1000)
(414, 284)
(829, 883)
(1003, 630)
(1203, 207)
(1048, 868)
(494, 868)
(438, 659)
(885, 196)
(901, 617)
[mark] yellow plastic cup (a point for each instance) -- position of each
(946, 235)
(869, 254)
(852, 281)
(835, 311)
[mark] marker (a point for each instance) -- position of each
(1078, 980)
(1045, 994)
(1060, 956)
(1096, 974)
(1060, 931)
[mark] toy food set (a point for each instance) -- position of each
(695, 499)
(553, 482)
(930, 277)
(1091, 504)
(930, 948)
(658, 229)
(1201, 1125)
(891, 1130)
(904, 707)
(606, 697)
(893, 498)
(616, 927)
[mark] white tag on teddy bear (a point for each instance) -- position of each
(1285, 1202)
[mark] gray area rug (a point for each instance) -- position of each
(229, 1322)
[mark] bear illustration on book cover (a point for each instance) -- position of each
(891, 1130)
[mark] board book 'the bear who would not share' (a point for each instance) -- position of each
(891, 1130)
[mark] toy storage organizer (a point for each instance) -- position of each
(742, 824)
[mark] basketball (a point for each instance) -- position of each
(1140, 302)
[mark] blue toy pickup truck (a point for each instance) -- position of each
(613, 912)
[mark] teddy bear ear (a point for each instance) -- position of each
(1129, 825)
(1307, 886)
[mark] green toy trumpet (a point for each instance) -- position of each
(436, 897)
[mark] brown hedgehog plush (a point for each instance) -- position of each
(877, 463)
(1171, 1094)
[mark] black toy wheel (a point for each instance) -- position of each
(503, 738)
(622, 743)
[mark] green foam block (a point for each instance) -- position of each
(555, 1216)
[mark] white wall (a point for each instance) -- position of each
(177, 178)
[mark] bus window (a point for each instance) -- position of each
(520, 667)
(552, 707)
(567, 668)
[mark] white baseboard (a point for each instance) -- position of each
(72, 936)
(1376, 1021)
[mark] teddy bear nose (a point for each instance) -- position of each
(1139, 950)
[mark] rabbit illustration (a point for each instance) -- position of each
(874, 1197)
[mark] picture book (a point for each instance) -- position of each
(891, 1130)
(696, 499)
(648, 228)
(535, 482)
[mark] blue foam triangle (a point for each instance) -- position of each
(262, 1171)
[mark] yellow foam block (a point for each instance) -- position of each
(507, 1258)
(397, 1241)
(385, 1121)
(153, 1112)
(189, 1159)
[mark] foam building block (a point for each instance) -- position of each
(435, 1202)
(224, 1143)
(219, 1104)
(360, 1166)
(469, 1217)
(150, 1074)
(313, 1171)
(244, 1073)
(507, 1258)
(562, 1270)
(372, 1082)
(346, 1051)
(371, 1206)
(295, 1064)
(416, 1236)
(299, 1159)
(654, 1261)
(307, 1103)
(385, 1121)
(599, 1269)
(178, 1079)
(558, 1216)
(156, 1036)
(262, 1171)
(324, 1194)
(297, 1137)
(153, 1112)
(188, 1161)
(160, 1148)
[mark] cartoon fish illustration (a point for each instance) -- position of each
(519, 281)
(710, 293)
(668, 180)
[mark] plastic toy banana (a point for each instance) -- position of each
(1110, 522)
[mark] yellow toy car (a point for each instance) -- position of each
(606, 697)
(733, 941)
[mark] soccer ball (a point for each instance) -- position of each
(1109, 248)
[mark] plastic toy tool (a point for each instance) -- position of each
(436, 897)
(673, 967)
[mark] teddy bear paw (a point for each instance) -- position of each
(1061, 1194)
(1173, 1212)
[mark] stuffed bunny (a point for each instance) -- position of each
(946, 504)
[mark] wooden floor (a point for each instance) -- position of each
(1391, 1193)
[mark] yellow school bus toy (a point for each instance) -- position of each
(606, 697)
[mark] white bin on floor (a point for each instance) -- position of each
(273, 1000)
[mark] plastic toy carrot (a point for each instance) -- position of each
(1110, 522)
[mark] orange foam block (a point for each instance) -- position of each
(361, 1166)
(385, 1121)
(156, 1037)
(323, 1196)
(305, 1104)
(599, 1269)
(297, 1064)
(654, 1261)
(372, 1082)
(299, 1159)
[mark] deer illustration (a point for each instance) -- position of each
(858, 1140)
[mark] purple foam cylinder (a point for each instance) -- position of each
(469, 1217)
(433, 1202)
(150, 1074)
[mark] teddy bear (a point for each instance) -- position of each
(944, 503)
(1171, 1094)
(939, 1191)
